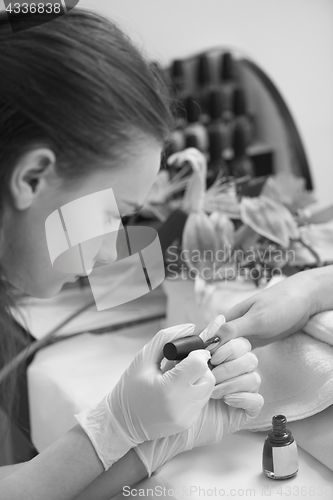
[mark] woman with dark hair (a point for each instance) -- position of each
(81, 111)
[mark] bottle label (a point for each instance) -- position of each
(285, 460)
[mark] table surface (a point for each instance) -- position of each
(232, 468)
(67, 377)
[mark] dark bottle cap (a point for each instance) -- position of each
(227, 67)
(193, 110)
(215, 104)
(215, 145)
(191, 141)
(279, 434)
(238, 102)
(180, 348)
(177, 74)
(239, 141)
(203, 70)
(279, 423)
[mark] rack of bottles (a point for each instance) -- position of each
(225, 106)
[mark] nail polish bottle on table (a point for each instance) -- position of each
(280, 456)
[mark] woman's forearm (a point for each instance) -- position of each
(315, 435)
(8, 470)
(126, 472)
(58, 473)
(320, 288)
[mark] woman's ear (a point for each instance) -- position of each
(30, 175)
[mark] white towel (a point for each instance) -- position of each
(297, 373)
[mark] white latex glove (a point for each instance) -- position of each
(216, 420)
(146, 403)
(236, 383)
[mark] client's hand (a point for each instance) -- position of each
(147, 403)
(237, 384)
(272, 314)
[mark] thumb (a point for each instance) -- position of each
(192, 368)
(153, 351)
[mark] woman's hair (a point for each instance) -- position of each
(77, 85)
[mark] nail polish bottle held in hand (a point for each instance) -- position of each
(280, 456)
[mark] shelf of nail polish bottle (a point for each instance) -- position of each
(229, 92)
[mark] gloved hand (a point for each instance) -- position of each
(216, 420)
(146, 403)
(236, 383)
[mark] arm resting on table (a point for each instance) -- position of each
(9, 469)
(58, 473)
(315, 435)
(321, 290)
(128, 471)
(63, 470)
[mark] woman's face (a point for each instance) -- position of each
(37, 193)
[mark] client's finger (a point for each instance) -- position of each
(212, 328)
(249, 382)
(231, 350)
(230, 369)
(248, 401)
(244, 323)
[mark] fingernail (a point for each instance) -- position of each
(212, 328)
(216, 324)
